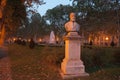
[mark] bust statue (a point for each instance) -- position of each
(72, 25)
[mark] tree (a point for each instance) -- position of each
(16, 12)
(97, 15)
(57, 17)
(35, 28)
(2, 26)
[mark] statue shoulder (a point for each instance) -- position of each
(67, 23)
(77, 24)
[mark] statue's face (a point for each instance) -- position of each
(72, 17)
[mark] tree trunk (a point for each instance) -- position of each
(2, 37)
(2, 32)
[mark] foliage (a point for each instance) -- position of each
(116, 57)
(100, 57)
(15, 13)
(92, 15)
(98, 15)
(30, 3)
(38, 25)
(57, 17)
(107, 74)
(35, 26)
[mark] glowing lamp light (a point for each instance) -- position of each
(29, 40)
(20, 38)
(14, 39)
(40, 40)
(106, 38)
(57, 39)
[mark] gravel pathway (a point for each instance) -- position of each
(5, 71)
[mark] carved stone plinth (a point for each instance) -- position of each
(72, 66)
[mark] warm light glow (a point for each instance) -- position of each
(14, 39)
(25, 40)
(1, 14)
(3, 3)
(106, 38)
(57, 39)
(20, 38)
(28, 40)
(40, 40)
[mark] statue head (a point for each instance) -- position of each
(72, 17)
(72, 25)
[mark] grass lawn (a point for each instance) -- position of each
(43, 63)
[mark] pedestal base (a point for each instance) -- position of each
(72, 66)
(72, 69)
(69, 76)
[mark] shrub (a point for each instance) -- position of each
(116, 57)
(100, 57)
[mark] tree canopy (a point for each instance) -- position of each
(92, 15)
(15, 13)
(58, 16)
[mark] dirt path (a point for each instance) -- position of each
(5, 71)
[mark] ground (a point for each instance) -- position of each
(43, 63)
(5, 73)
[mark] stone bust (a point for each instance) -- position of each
(72, 25)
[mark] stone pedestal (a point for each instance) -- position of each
(72, 66)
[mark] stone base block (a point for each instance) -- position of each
(70, 76)
(72, 67)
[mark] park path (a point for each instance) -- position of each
(5, 71)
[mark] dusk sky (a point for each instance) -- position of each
(51, 4)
